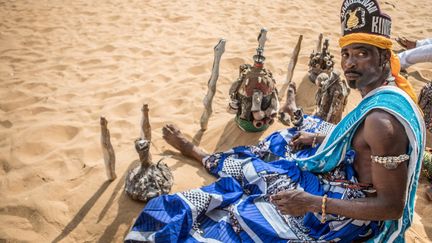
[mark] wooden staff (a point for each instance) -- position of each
(291, 66)
(145, 123)
(219, 49)
(108, 150)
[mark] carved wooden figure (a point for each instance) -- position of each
(253, 96)
(107, 150)
(219, 49)
(331, 97)
(148, 180)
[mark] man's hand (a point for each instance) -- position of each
(292, 202)
(300, 140)
(404, 42)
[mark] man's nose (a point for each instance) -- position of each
(350, 62)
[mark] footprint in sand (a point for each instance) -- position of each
(6, 124)
(196, 70)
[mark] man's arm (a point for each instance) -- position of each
(386, 137)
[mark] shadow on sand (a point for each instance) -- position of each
(82, 212)
(233, 136)
(127, 210)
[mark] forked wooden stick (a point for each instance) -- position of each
(219, 49)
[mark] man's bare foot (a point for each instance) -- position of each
(175, 138)
(404, 42)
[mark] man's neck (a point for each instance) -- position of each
(364, 91)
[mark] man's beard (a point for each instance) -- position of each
(352, 84)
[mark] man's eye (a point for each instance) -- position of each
(344, 55)
(361, 54)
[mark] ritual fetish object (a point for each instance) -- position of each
(320, 61)
(148, 180)
(331, 97)
(107, 150)
(425, 103)
(219, 49)
(253, 96)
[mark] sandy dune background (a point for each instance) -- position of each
(63, 64)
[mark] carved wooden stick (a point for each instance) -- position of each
(145, 123)
(319, 44)
(262, 38)
(107, 149)
(291, 66)
(219, 49)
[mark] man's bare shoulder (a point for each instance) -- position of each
(382, 130)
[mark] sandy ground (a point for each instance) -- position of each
(63, 64)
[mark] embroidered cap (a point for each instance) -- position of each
(364, 16)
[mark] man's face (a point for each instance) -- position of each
(362, 65)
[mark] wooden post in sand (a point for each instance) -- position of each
(219, 49)
(107, 149)
(319, 44)
(145, 123)
(291, 66)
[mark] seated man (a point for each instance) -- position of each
(355, 181)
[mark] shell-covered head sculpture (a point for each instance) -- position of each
(253, 96)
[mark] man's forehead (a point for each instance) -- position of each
(359, 46)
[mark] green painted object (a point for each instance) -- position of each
(427, 165)
(247, 126)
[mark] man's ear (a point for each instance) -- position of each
(387, 55)
(384, 57)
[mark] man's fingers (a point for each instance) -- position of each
(297, 135)
(275, 197)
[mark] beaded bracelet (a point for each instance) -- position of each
(323, 209)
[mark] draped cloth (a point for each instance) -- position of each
(236, 207)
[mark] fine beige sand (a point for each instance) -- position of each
(63, 64)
